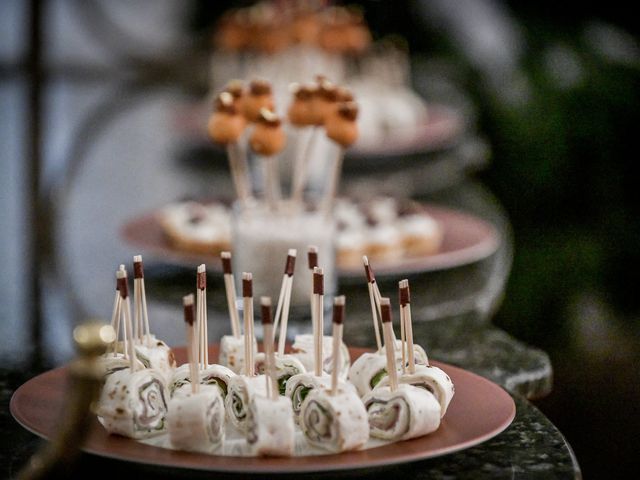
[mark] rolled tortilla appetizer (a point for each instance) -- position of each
(180, 379)
(299, 386)
(134, 404)
(113, 362)
(286, 367)
(154, 353)
(408, 412)
(241, 390)
(432, 379)
(302, 349)
(196, 420)
(217, 375)
(419, 354)
(232, 352)
(367, 372)
(334, 422)
(270, 427)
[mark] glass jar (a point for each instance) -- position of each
(261, 238)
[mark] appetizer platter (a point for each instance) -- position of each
(293, 41)
(303, 408)
(460, 239)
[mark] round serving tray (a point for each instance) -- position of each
(467, 239)
(479, 411)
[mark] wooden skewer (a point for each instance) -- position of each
(318, 294)
(203, 330)
(334, 181)
(115, 319)
(403, 295)
(267, 345)
(285, 291)
(123, 287)
(408, 328)
(247, 298)
(375, 306)
(138, 270)
(239, 172)
(194, 373)
(282, 339)
(230, 288)
(302, 164)
(338, 320)
(312, 263)
(271, 182)
(387, 330)
(137, 311)
(197, 350)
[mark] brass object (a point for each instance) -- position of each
(86, 377)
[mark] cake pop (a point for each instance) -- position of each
(324, 100)
(268, 136)
(356, 34)
(341, 125)
(299, 112)
(236, 89)
(225, 125)
(232, 33)
(260, 96)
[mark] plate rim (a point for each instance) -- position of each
(273, 465)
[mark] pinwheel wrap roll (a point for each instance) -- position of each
(270, 427)
(302, 349)
(212, 375)
(196, 420)
(134, 404)
(286, 367)
(156, 354)
(114, 362)
(241, 390)
(367, 372)
(181, 378)
(219, 376)
(232, 352)
(408, 412)
(419, 354)
(334, 422)
(299, 386)
(432, 379)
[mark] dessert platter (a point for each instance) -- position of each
(399, 235)
(425, 237)
(292, 41)
(314, 406)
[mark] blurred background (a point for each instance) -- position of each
(552, 96)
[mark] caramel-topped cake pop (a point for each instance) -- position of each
(260, 96)
(305, 29)
(232, 33)
(226, 124)
(333, 36)
(272, 38)
(356, 34)
(299, 112)
(344, 95)
(324, 100)
(341, 125)
(268, 136)
(236, 89)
